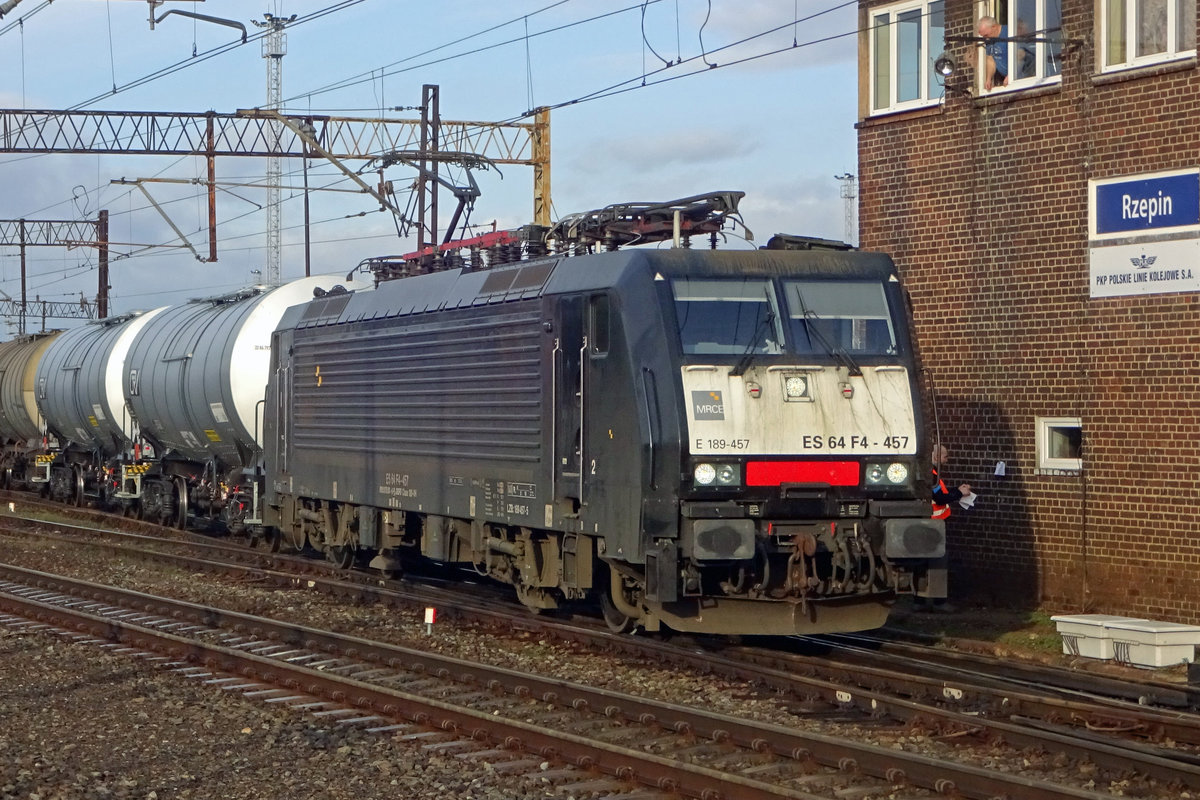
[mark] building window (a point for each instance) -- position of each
(1060, 443)
(905, 40)
(1035, 54)
(1136, 32)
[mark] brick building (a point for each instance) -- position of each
(1048, 230)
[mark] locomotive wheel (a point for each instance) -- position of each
(342, 556)
(299, 538)
(274, 539)
(614, 619)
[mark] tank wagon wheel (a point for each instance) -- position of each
(78, 497)
(181, 504)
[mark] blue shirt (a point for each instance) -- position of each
(999, 52)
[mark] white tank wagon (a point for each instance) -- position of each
(195, 380)
(21, 426)
(80, 394)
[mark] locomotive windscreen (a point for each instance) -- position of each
(727, 317)
(839, 315)
(741, 316)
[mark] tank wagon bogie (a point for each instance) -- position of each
(725, 442)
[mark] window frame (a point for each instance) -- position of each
(1039, 78)
(1130, 26)
(926, 97)
(1044, 460)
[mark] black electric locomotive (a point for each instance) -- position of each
(715, 441)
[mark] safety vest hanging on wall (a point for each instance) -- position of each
(939, 511)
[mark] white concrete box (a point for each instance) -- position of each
(1086, 634)
(1153, 644)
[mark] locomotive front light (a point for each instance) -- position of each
(795, 388)
(727, 475)
(891, 474)
(707, 474)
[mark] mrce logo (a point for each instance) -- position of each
(708, 405)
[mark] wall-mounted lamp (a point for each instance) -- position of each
(945, 65)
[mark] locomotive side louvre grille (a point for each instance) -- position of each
(459, 388)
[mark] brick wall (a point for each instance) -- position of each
(983, 205)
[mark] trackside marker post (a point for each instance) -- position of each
(430, 618)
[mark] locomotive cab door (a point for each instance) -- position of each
(568, 392)
(281, 353)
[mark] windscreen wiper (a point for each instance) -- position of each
(835, 350)
(744, 362)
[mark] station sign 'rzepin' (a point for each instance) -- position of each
(1145, 234)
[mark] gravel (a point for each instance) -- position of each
(78, 723)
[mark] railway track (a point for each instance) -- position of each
(1120, 735)
(518, 718)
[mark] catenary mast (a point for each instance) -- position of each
(274, 47)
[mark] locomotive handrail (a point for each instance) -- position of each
(554, 353)
(650, 392)
(582, 415)
(260, 403)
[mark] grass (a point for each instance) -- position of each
(1030, 631)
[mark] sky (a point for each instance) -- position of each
(651, 101)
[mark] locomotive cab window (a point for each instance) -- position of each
(827, 317)
(598, 324)
(727, 317)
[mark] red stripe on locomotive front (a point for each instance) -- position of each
(774, 473)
